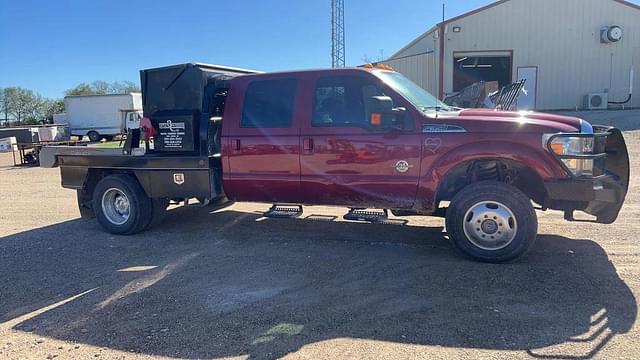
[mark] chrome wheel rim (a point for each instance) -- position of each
(116, 206)
(490, 225)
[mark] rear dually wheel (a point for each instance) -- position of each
(121, 205)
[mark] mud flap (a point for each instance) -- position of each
(615, 186)
(85, 204)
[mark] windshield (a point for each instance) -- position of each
(419, 97)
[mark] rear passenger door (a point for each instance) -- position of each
(261, 136)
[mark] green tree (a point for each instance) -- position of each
(53, 107)
(19, 102)
(100, 87)
(23, 106)
(4, 111)
(124, 87)
(81, 89)
(36, 108)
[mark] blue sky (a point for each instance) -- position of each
(52, 45)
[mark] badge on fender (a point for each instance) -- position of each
(402, 166)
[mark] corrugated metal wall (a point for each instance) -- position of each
(561, 37)
(421, 69)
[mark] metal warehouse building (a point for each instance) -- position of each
(574, 53)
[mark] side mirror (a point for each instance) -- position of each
(382, 113)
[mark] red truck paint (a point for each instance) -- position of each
(486, 165)
(353, 165)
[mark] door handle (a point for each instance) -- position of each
(307, 146)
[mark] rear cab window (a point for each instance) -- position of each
(269, 104)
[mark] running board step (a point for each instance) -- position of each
(373, 216)
(284, 211)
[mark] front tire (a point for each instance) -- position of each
(121, 206)
(491, 222)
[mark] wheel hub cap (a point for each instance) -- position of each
(115, 206)
(490, 225)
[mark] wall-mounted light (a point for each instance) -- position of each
(457, 29)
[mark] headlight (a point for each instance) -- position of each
(572, 146)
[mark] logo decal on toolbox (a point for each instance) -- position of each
(178, 178)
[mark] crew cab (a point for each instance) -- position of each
(362, 138)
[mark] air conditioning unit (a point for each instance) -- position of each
(596, 101)
(611, 34)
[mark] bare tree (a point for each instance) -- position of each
(372, 60)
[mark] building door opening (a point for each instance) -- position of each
(468, 70)
(527, 100)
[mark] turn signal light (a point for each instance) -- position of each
(557, 148)
(385, 67)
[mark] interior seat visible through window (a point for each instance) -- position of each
(342, 101)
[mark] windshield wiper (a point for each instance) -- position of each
(436, 108)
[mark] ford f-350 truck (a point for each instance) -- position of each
(363, 138)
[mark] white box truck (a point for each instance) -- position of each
(103, 116)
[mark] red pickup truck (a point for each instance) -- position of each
(362, 138)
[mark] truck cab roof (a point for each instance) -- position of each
(324, 71)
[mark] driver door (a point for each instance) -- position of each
(348, 161)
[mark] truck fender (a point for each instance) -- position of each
(74, 177)
(84, 179)
(534, 159)
(144, 178)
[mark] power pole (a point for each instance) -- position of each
(337, 34)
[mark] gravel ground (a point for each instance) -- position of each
(230, 284)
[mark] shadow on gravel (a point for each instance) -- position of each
(211, 285)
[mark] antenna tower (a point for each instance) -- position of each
(337, 33)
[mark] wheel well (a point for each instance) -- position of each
(95, 175)
(85, 196)
(510, 172)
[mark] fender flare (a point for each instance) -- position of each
(535, 159)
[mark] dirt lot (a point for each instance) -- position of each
(231, 284)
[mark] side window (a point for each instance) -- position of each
(269, 104)
(342, 101)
